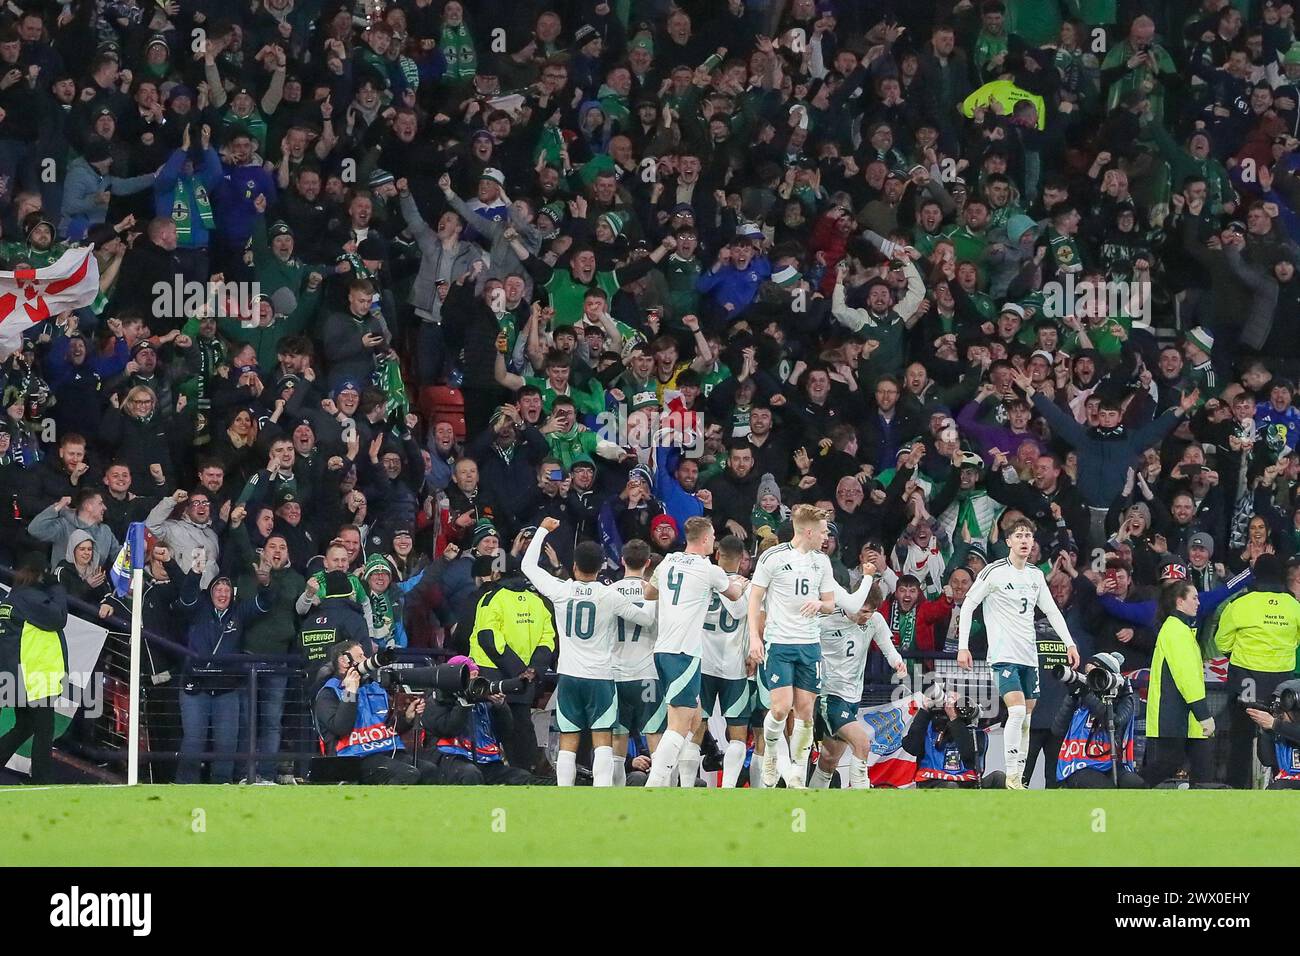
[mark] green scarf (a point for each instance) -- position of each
(186, 195)
(388, 376)
(359, 270)
(458, 50)
(903, 623)
(966, 516)
(382, 613)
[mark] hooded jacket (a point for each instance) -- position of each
(213, 633)
(185, 537)
(56, 525)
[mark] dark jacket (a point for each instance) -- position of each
(213, 633)
(44, 606)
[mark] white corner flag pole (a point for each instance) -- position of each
(133, 730)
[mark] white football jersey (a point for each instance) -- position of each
(1009, 597)
(845, 646)
(686, 585)
(634, 644)
(726, 635)
(584, 616)
(792, 579)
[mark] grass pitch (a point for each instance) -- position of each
(264, 826)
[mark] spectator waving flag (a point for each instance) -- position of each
(129, 559)
(889, 764)
(30, 296)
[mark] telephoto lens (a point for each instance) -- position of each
(371, 665)
(1102, 681)
(1067, 675)
(445, 677)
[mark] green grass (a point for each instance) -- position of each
(324, 826)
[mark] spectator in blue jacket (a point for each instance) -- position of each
(89, 187)
(243, 180)
(733, 281)
(1106, 452)
(183, 194)
(210, 699)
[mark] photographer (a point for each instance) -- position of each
(943, 741)
(469, 731)
(1099, 703)
(1279, 742)
(353, 719)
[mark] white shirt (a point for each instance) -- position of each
(792, 578)
(1009, 597)
(584, 615)
(726, 635)
(686, 585)
(634, 644)
(844, 653)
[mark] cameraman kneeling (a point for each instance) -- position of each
(1279, 744)
(469, 732)
(1100, 702)
(352, 715)
(944, 745)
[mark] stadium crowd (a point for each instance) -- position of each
(933, 267)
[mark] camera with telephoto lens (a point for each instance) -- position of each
(1103, 683)
(480, 688)
(443, 678)
(1067, 675)
(966, 708)
(372, 666)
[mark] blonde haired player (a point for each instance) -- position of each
(1009, 590)
(792, 584)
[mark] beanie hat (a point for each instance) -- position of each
(615, 220)
(767, 486)
(786, 277)
(1292, 55)
(1201, 540)
(482, 529)
(279, 228)
(1201, 338)
(381, 177)
(375, 564)
(554, 211)
(1142, 509)
(1018, 225)
(1112, 661)
(658, 520)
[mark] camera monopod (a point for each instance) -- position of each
(1109, 704)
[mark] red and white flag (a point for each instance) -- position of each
(890, 765)
(30, 296)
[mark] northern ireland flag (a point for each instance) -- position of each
(30, 296)
(890, 765)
